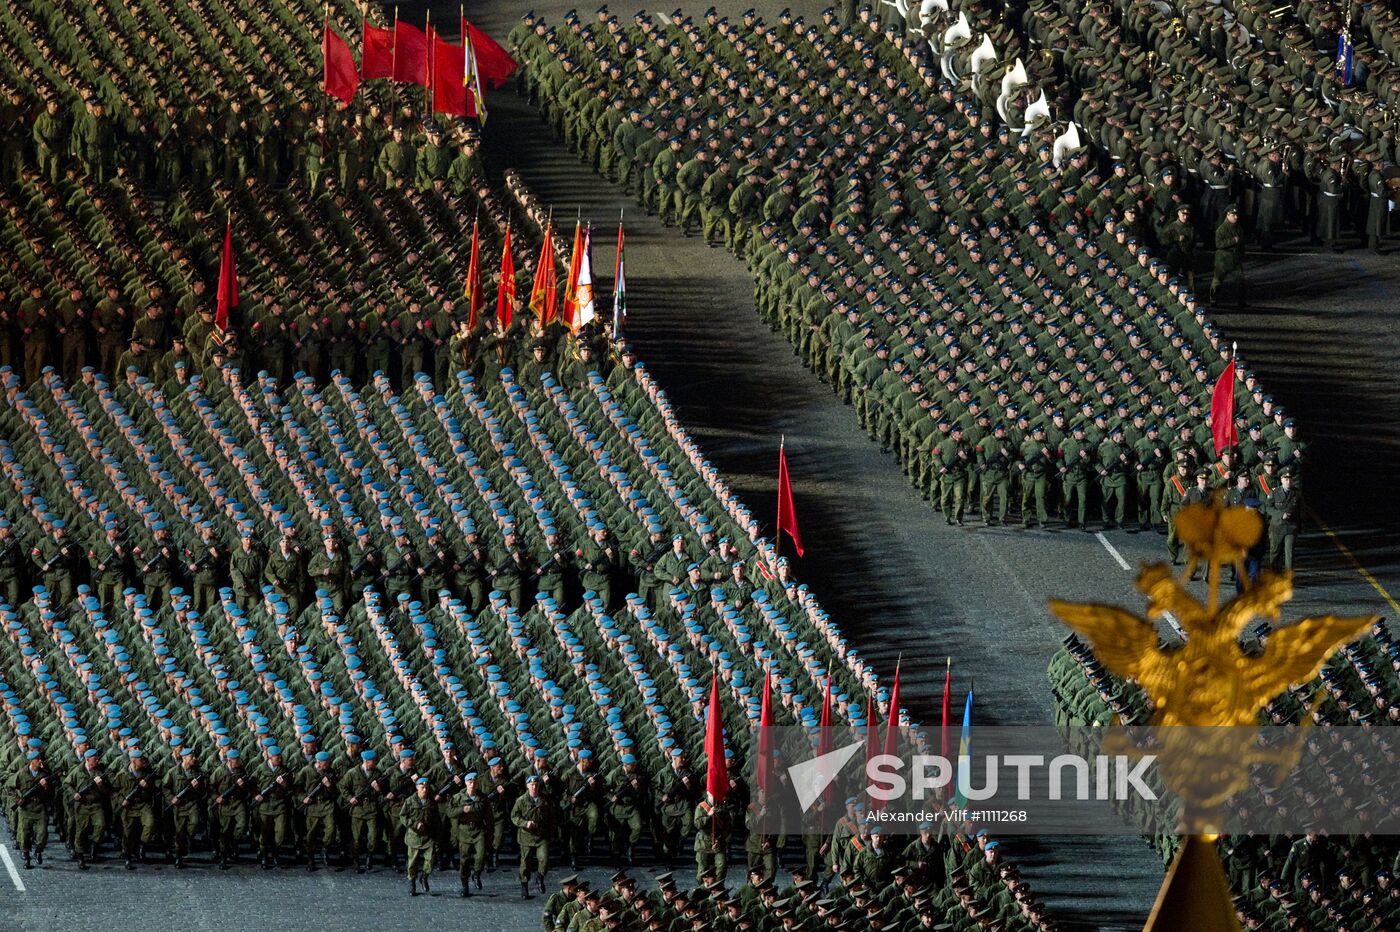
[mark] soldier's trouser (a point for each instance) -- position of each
(1281, 547)
(1075, 491)
(952, 495)
(1117, 494)
(1173, 543)
(272, 832)
(707, 861)
(712, 219)
(60, 586)
(1000, 487)
(767, 861)
(33, 360)
(668, 835)
(233, 825)
(534, 859)
(420, 860)
(89, 824)
(582, 827)
(1033, 490)
(471, 856)
(32, 831)
(1149, 501)
(626, 829)
(9, 591)
(138, 828)
(188, 822)
(364, 830)
(320, 829)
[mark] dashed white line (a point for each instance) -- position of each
(10, 866)
(1113, 552)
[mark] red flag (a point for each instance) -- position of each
(1222, 410)
(473, 287)
(824, 734)
(493, 63)
(787, 514)
(765, 733)
(377, 61)
(542, 290)
(872, 731)
(505, 288)
(947, 696)
(892, 729)
(449, 71)
(341, 78)
(570, 308)
(227, 297)
(410, 54)
(717, 775)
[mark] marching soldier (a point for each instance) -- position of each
(1284, 510)
(472, 821)
(534, 818)
(187, 791)
(711, 823)
(319, 790)
(419, 816)
(272, 808)
(89, 796)
(33, 788)
(363, 788)
(135, 791)
(231, 789)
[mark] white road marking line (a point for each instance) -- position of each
(10, 866)
(1113, 552)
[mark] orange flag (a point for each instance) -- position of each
(505, 289)
(765, 733)
(473, 286)
(569, 311)
(542, 291)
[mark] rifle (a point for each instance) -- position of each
(272, 784)
(451, 782)
(179, 797)
(504, 565)
(235, 793)
(315, 793)
(655, 555)
(544, 567)
(85, 789)
(138, 788)
(33, 788)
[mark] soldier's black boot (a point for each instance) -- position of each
(311, 862)
(427, 888)
(466, 888)
(82, 862)
(413, 886)
(27, 865)
(525, 890)
(130, 865)
(478, 880)
(540, 880)
(39, 857)
(179, 862)
(360, 868)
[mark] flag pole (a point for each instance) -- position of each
(428, 66)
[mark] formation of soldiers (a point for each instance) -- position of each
(1281, 880)
(995, 315)
(114, 194)
(213, 642)
(930, 881)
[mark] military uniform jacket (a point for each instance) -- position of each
(320, 788)
(533, 818)
(232, 788)
(1284, 508)
(32, 791)
(472, 817)
(91, 789)
(275, 787)
(133, 791)
(421, 820)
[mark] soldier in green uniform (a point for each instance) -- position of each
(760, 848)
(35, 330)
(1114, 466)
(187, 790)
(627, 799)
(1076, 465)
(245, 567)
(203, 559)
(50, 142)
(1149, 460)
(272, 807)
(362, 788)
(11, 564)
(1284, 511)
(420, 817)
(231, 789)
(503, 790)
(135, 791)
(1229, 256)
(57, 558)
(711, 823)
(319, 790)
(33, 789)
(472, 825)
(583, 796)
(396, 160)
(1035, 463)
(954, 459)
(534, 818)
(995, 457)
(330, 572)
(89, 791)
(283, 571)
(598, 561)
